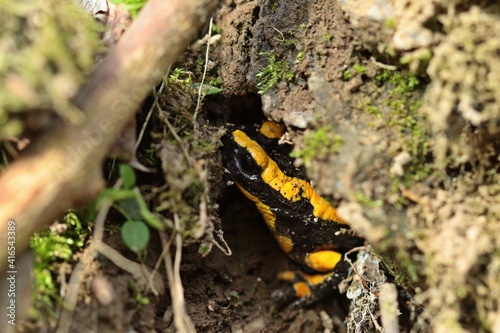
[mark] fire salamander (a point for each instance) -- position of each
(305, 225)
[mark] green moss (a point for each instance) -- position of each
(216, 29)
(407, 263)
(277, 70)
(200, 63)
(318, 144)
(405, 272)
(411, 126)
(273, 5)
(390, 51)
(399, 110)
(366, 201)
(390, 23)
(234, 300)
(417, 61)
(34, 76)
(180, 76)
(405, 117)
(360, 69)
(51, 247)
(404, 84)
(139, 297)
(346, 75)
(184, 80)
(370, 108)
(401, 266)
(300, 57)
(383, 76)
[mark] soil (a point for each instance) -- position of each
(421, 188)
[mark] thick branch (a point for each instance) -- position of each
(63, 168)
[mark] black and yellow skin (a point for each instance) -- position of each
(305, 225)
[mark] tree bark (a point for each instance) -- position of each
(63, 169)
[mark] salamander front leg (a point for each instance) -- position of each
(305, 289)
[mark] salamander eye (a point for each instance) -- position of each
(247, 164)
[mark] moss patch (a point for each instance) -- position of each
(277, 70)
(34, 76)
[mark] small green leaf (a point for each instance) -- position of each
(146, 214)
(207, 89)
(130, 208)
(213, 90)
(114, 194)
(135, 235)
(151, 219)
(133, 6)
(127, 174)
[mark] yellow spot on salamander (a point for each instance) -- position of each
(302, 289)
(316, 278)
(322, 261)
(285, 243)
(264, 210)
(286, 275)
(272, 130)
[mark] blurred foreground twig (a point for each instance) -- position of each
(63, 169)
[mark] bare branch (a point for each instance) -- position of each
(63, 169)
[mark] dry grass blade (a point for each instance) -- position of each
(200, 89)
(182, 322)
